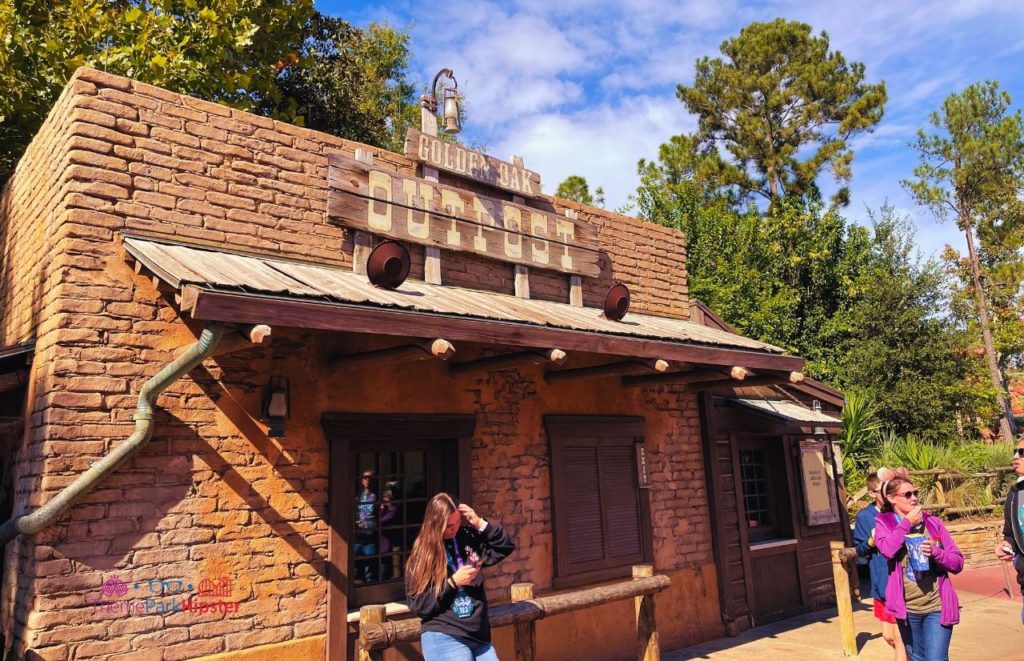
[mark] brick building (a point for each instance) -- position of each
(139, 217)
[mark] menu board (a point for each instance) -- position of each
(819, 483)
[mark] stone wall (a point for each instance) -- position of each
(977, 539)
(211, 495)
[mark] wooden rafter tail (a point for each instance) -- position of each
(509, 360)
(257, 333)
(739, 373)
(440, 348)
(597, 371)
(796, 377)
(752, 382)
(247, 336)
(683, 378)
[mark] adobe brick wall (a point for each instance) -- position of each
(211, 495)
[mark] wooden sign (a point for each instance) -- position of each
(643, 477)
(818, 482)
(412, 209)
(456, 159)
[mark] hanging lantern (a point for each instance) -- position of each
(452, 123)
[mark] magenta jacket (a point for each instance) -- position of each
(946, 559)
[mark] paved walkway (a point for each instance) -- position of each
(990, 630)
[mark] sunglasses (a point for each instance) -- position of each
(1018, 452)
(909, 494)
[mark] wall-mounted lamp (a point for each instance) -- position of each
(451, 123)
(275, 406)
(819, 431)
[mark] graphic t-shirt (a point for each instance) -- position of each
(365, 510)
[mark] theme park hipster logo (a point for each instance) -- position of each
(163, 596)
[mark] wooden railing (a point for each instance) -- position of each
(377, 633)
(941, 479)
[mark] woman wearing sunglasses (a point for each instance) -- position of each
(921, 555)
(1011, 547)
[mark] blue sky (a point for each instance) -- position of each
(588, 87)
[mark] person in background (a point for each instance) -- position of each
(864, 542)
(921, 555)
(1011, 547)
(366, 528)
(445, 584)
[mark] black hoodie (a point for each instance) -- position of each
(1013, 511)
(486, 547)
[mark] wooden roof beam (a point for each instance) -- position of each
(507, 360)
(607, 370)
(761, 380)
(440, 348)
(735, 373)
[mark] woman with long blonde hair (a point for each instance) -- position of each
(445, 584)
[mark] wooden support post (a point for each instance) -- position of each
(362, 246)
(647, 645)
(522, 281)
(525, 632)
(842, 584)
(375, 614)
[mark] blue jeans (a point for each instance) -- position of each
(925, 638)
(442, 647)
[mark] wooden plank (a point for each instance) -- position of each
(604, 371)
(509, 360)
(414, 209)
(339, 508)
(287, 312)
(689, 377)
(471, 164)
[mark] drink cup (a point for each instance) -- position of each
(918, 560)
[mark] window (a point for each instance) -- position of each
(384, 469)
(601, 516)
(763, 482)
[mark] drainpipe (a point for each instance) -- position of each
(30, 524)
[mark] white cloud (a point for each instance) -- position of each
(602, 143)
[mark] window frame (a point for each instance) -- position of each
(598, 431)
(349, 433)
(777, 483)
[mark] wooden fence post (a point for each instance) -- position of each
(525, 636)
(375, 614)
(647, 646)
(841, 578)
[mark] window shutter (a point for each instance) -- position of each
(599, 510)
(585, 525)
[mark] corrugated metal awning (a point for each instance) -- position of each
(786, 410)
(228, 286)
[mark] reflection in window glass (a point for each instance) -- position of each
(390, 500)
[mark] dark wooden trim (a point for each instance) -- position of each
(384, 426)
(503, 361)
(615, 426)
(712, 477)
(302, 313)
(791, 452)
(741, 514)
(707, 378)
(750, 382)
(617, 368)
(339, 535)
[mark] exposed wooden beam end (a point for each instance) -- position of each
(796, 377)
(738, 373)
(257, 333)
(442, 349)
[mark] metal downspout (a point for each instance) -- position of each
(30, 524)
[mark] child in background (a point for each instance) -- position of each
(864, 542)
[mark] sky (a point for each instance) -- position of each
(588, 87)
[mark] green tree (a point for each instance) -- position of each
(576, 189)
(783, 107)
(894, 342)
(229, 50)
(351, 83)
(972, 169)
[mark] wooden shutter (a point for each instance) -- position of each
(601, 514)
